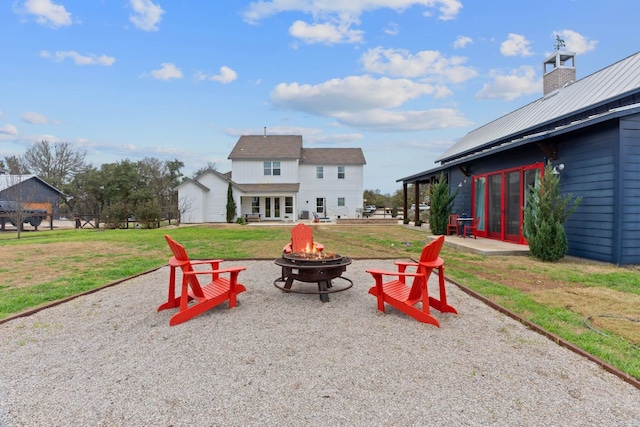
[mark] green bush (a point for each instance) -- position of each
(441, 205)
(544, 217)
(231, 204)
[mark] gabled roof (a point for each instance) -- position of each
(333, 156)
(273, 147)
(614, 82)
(7, 181)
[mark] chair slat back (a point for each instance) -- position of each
(453, 219)
(431, 251)
(180, 254)
(301, 238)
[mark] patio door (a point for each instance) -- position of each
(494, 207)
(499, 198)
(272, 207)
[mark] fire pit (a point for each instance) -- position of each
(311, 267)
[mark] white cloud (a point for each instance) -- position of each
(79, 59)
(516, 45)
(46, 13)
(366, 102)
(392, 29)
(34, 118)
(262, 9)
(8, 129)
(428, 64)
(227, 75)
(333, 19)
(462, 42)
(408, 121)
(353, 93)
(168, 71)
(576, 42)
(521, 81)
(327, 33)
(146, 14)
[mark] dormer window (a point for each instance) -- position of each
(272, 168)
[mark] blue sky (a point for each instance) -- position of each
(170, 79)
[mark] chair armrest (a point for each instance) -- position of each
(433, 264)
(206, 261)
(393, 273)
(224, 270)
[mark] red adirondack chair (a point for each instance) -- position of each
(302, 240)
(195, 299)
(397, 293)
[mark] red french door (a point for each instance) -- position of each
(499, 198)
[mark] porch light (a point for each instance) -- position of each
(557, 169)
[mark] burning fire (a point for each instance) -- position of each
(311, 248)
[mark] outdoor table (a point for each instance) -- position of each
(461, 223)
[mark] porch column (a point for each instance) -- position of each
(416, 201)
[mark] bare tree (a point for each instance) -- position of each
(55, 163)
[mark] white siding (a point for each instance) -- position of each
(331, 188)
(191, 199)
(252, 172)
(206, 205)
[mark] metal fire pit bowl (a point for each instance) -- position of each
(321, 268)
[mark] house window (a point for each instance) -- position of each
(288, 205)
(272, 168)
(341, 172)
(340, 201)
(255, 205)
(319, 172)
(320, 205)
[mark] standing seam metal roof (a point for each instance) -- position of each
(614, 81)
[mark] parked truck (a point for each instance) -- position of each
(14, 212)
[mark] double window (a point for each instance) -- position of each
(272, 168)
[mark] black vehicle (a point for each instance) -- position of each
(14, 211)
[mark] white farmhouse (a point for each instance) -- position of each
(274, 178)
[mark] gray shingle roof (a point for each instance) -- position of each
(333, 156)
(273, 147)
(615, 81)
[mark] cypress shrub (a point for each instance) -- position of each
(544, 217)
(441, 205)
(231, 205)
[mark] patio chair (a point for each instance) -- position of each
(471, 228)
(414, 300)
(302, 240)
(195, 299)
(317, 218)
(453, 223)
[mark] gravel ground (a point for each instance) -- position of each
(287, 359)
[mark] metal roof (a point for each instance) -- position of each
(615, 81)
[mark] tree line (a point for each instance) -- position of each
(112, 192)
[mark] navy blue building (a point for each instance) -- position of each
(588, 130)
